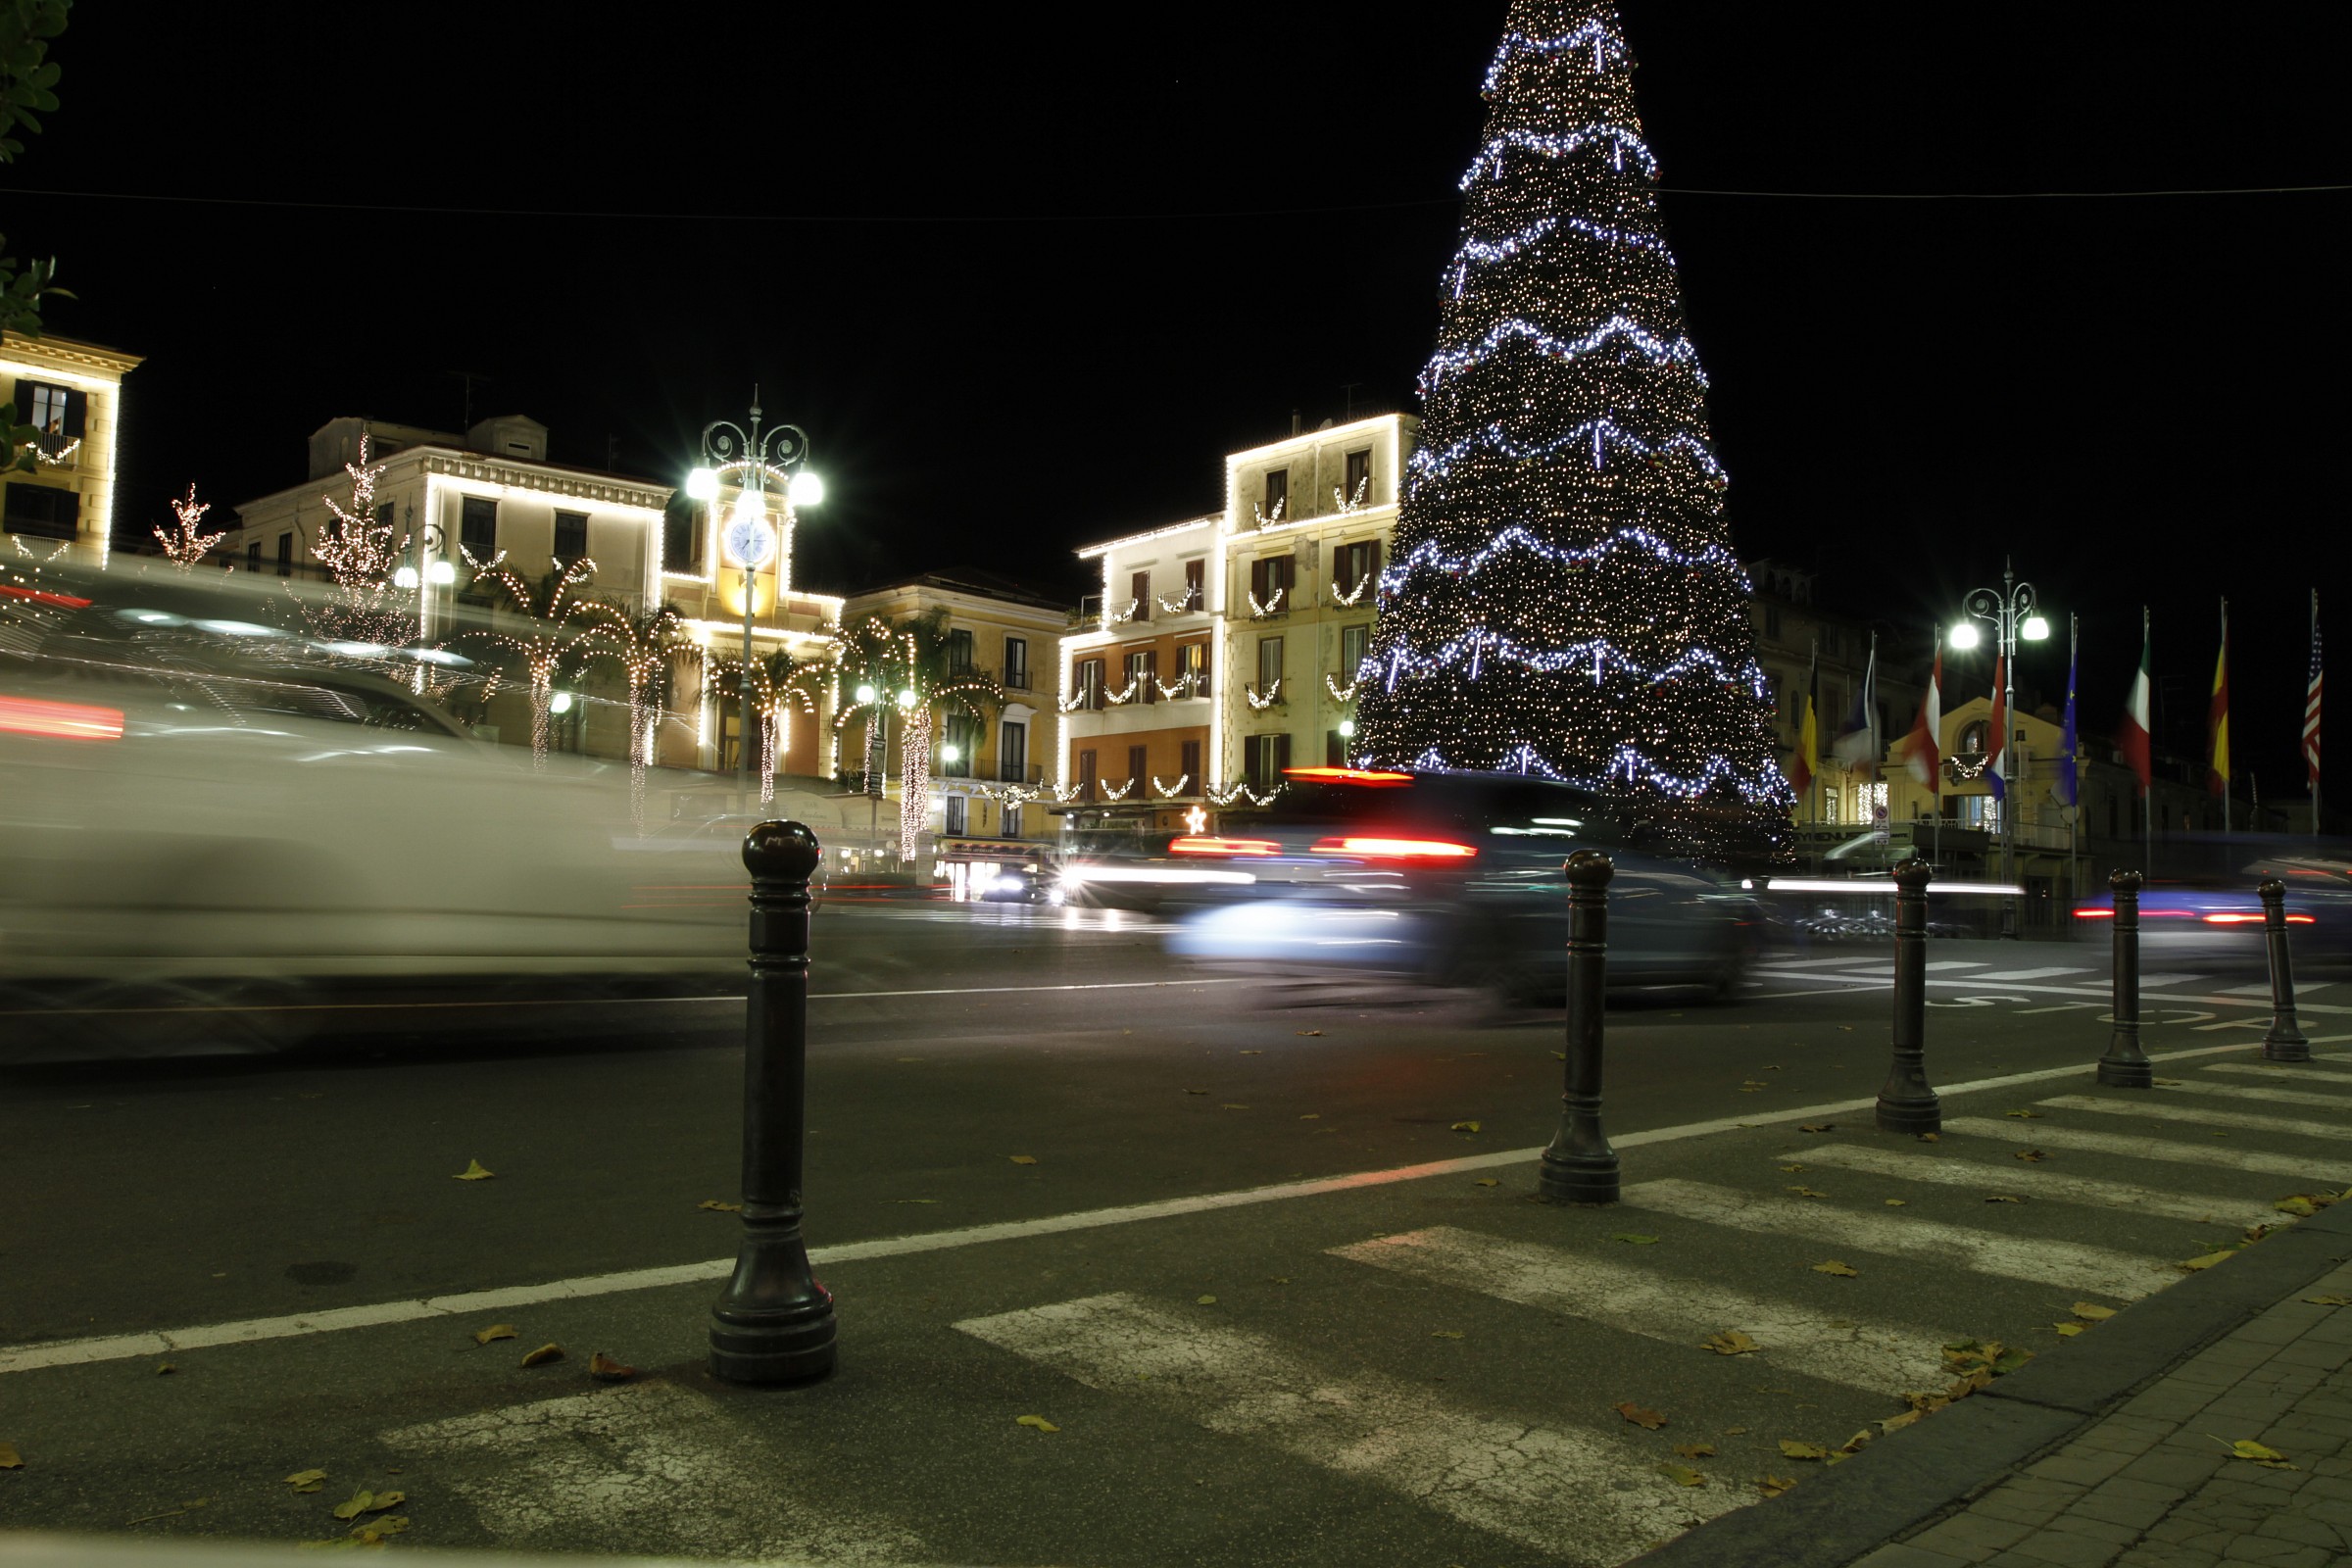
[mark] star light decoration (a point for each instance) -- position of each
(185, 544)
(1564, 600)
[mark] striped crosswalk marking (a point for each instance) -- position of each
(1556, 1490)
(2216, 1155)
(636, 1469)
(2316, 1072)
(2158, 982)
(2279, 1097)
(2029, 974)
(1632, 1299)
(2071, 1265)
(2198, 1115)
(2056, 1185)
(2262, 988)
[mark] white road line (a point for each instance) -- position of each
(2212, 1154)
(2033, 1182)
(2285, 1072)
(2262, 988)
(2071, 1265)
(128, 1347)
(636, 1469)
(2159, 982)
(1848, 960)
(2198, 1116)
(1633, 1300)
(1956, 963)
(2100, 990)
(2279, 1097)
(2058, 1006)
(1551, 1490)
(2003, 975)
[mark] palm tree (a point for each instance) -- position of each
(908, 663)
(641, 643)
(546, 633)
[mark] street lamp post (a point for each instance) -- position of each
(2009, 611)
(752, 459)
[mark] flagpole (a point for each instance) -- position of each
(2224, 769)
(2315, 748)
(2073, 807)
(2147, 806)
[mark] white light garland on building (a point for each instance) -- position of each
(1272, 606)
(1170, 791)
(1273, 695)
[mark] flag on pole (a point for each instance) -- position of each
(1996, 733)
(1924, 747)
(2217, 717)
(2311, 702)
(1807, 761)
(2067, 788)
(2131, 739)
(1858, 745)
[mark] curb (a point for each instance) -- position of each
(1903, 1482)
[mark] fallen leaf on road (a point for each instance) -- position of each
(717, 1207)
(1308, 1032)
(1731, 1341)
(371, 1531)
(1022, 1159)
(1445, 1334)
(1794, 1449)
(2193, 1264)
(550, 1351)
(1817, 1127)
(1037, 1421)
(496, 1331)
(2329, 1300)
(1256, 1052)
(1647, 1420)
(1844, 1271)
(1750, 1089)
(1487, 1181)
(358, 1504)
(474, 1172)
(1857, 1442)
(605, 1369)
(2003, 1197)
(306, 1480)
(1734, 1432)
(2248, 1449)
(2166, 1083)
(1898, 1203)
(1633, 1237)
(1807, 1192)
(1895, 1423)
(2093, 1311)
(1930, 1137)
(1230, 1105)
(1205, 1300)
(2031, 1156)
(10, 1460)
(165, 1368)
(1463, 1127)
(2297, 1206)
(2024, 1115)
(2067, 1330)
(1694, 1451)
(1791, 1170)
(1682, 1474)
(1774, 1486)
(1847, 1027)
(1196, 1090)
(1312, 1116)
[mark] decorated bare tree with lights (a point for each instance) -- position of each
(185, 542)
(1563, 599)
(362, 549)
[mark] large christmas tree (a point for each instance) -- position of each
(1563, 599)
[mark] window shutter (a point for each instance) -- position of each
(1371, 558)
(1151, 675)
(1282, 756)
(76, 407)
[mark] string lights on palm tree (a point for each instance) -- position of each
(545, 633)
(641, 643)
(909, 666)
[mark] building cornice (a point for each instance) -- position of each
(109, 363)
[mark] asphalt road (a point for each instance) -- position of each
(162, 1197)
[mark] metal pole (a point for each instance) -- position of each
(1580, 1167)
(774, 1322)
(2007, 750)
(2125, 1065)
(743, 723)
(1906, 1104)
(2285, 1041)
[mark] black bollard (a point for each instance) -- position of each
(2285, 1041)
(774, 1322)
(1906, 1104)
(2125, 1065)
(1580, 1167)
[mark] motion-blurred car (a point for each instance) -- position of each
(1454, 880)
(2203, 908)
(199, 798)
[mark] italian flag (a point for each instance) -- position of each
(2131, 739)
(1925, 759)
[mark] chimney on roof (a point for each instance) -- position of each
(1296, 424)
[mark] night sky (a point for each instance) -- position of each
(1027, 274)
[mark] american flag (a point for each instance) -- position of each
(2311, 701)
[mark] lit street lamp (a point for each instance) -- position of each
(749, 459)
(2009, 611)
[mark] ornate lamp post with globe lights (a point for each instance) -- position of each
(2009, 611)
(751, 460)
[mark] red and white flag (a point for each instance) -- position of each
(2311, 702)
(1996, 734)
(2132, 736)
(1924, 750)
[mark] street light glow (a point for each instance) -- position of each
(867, 693)
(906, 698)
(702, 484)
(2035, 629)
(561, 703)
(404, 578)
(442, 571)
(1963, 636)
(1347, 729)
(807, 489)
(951, 753)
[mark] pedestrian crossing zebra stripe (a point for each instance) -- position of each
(2290, 1166)
(2311, 1072)
(2071, 1265)
(2200, 1117)
(2276, 1097)
(2055, 1186)
(1880, 1358)
(1556, 1490)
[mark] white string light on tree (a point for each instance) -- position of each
(186, 543)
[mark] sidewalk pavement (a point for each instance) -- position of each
(2118, 1451)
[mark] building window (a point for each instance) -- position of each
(959, 652)
(1972, 736)
(681, 540)
(1190, 751)
(1139, 589)
(1830, 641)
(963, 732)
(1017, 663)
(1143, 670)
(285, 555)
(42, 510)
(253, 555)
(1137, 760)
(1264, 759)
(1268, 576)
(1012, 822)
(1086, 776)
(53, 411)
(1355, 646)
(956, 819)
(1195, 574)
(1359, 478)
(1089, 684)
(1270, 665)
(1278, 494)
(572, 535)
(477, 527)
(1192, 663)
(1772, 621)
(1012, 752)
(1352, 562)
(1335, 749)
